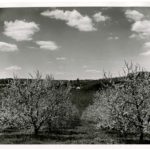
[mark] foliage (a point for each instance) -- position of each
(124, 107)
(33, 103)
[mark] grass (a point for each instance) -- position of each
(83, 134)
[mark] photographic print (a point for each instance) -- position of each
(75, 75)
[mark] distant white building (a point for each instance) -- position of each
(78, 88)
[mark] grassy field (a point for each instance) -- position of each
(82, 134)
(85, 133)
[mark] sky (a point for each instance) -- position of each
(71, 43)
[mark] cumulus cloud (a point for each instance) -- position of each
(133, 15)
(20, 30)
(142, 29)
(61, 58)
(13, 68)
(146, 48)
(72, 18)
(47, 45)
(98, 17)
(7, 47)
(140, 26)
(92, 71)
(113, 38)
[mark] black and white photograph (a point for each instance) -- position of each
(75, 75)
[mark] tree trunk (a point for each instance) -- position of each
(36, 131)
(49, 127)
(141, 138)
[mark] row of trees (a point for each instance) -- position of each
(37, 103)
(125, 107)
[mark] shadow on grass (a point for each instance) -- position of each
(42, 138)
(136, 142)
(84, 134)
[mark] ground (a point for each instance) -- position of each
(85, 133)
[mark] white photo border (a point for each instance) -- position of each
(73, 3)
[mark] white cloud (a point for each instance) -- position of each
(147, 45)
(4, 74)
(61, 58)
(47, 45)
(73, 18)
(84, 66)
(10, 71)
(20, 30)
(7, 47)
(137, 36)
(59, 73)
(134, 15)
(113, 38)
(147, 53)
(13, 68)
(92, 71)
(98, 17)
(146, 48)
(133, 36)
(142, 28)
